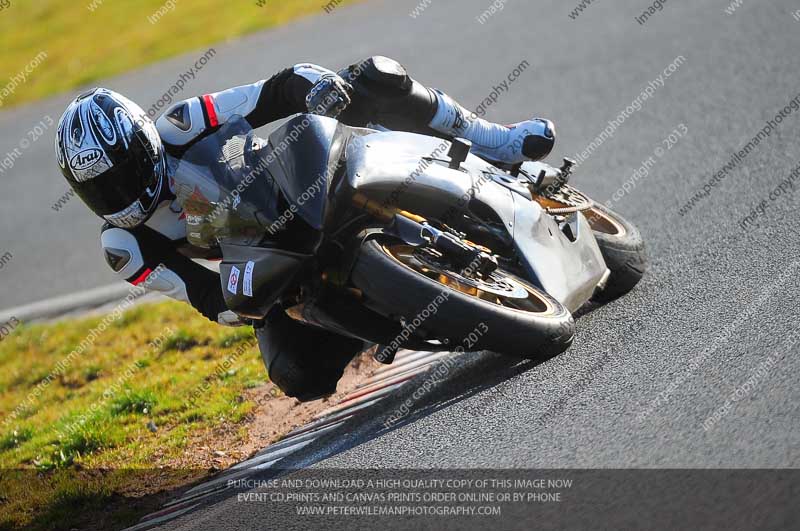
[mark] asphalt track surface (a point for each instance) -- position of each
(716, 316)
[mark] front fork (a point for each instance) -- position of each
(416, 231)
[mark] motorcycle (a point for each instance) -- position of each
(401, 239)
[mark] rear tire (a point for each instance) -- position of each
(397, 289)
(623, 250)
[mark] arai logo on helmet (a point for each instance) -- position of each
(85, 159)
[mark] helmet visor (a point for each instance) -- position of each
(135, 178)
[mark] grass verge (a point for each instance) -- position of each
(120, 422)
(89, 40)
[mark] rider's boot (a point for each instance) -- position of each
(511, 144)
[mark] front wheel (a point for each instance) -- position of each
(623, 249)
(499, 312)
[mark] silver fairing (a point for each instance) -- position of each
(410, 172)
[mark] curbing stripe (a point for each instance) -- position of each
(277, 454)
(333, 418)
(365, 395)
(399, 361)
(160, 520)
(286, 441)
(427, 360)
(377, 386)
(357, 403)
(220, 483)
(189, 499)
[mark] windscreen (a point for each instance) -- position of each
(224, 187)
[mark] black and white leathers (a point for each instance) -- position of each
(384, 94)
(135, 253)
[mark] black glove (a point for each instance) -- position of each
(329, 96)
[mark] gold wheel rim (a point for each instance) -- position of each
(602, 222)
(533, 302)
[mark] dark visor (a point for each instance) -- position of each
(116, 189)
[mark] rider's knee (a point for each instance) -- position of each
(388, 95)
(300, 382)
(384, 76)
(305, 362)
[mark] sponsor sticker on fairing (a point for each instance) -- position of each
(233, 280)
(247, 287)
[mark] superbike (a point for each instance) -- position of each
(361, 231)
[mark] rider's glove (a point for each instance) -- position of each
(329, 96)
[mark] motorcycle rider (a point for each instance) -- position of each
(113, 156)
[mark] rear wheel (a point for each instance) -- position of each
(498, 312)
(623, 250)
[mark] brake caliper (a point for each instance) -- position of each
(466, 255)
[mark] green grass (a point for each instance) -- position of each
(13, 439)
(84, 46)
(133, 401)
(180, 341)
(115, 413)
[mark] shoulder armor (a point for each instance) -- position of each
(122, 252)
(182, 123)
(189, 119)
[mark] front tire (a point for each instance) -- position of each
(404, 282)
(623, 249)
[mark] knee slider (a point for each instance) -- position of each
(297, 381)
(294, 359)
(385, 75)
(395, 99)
